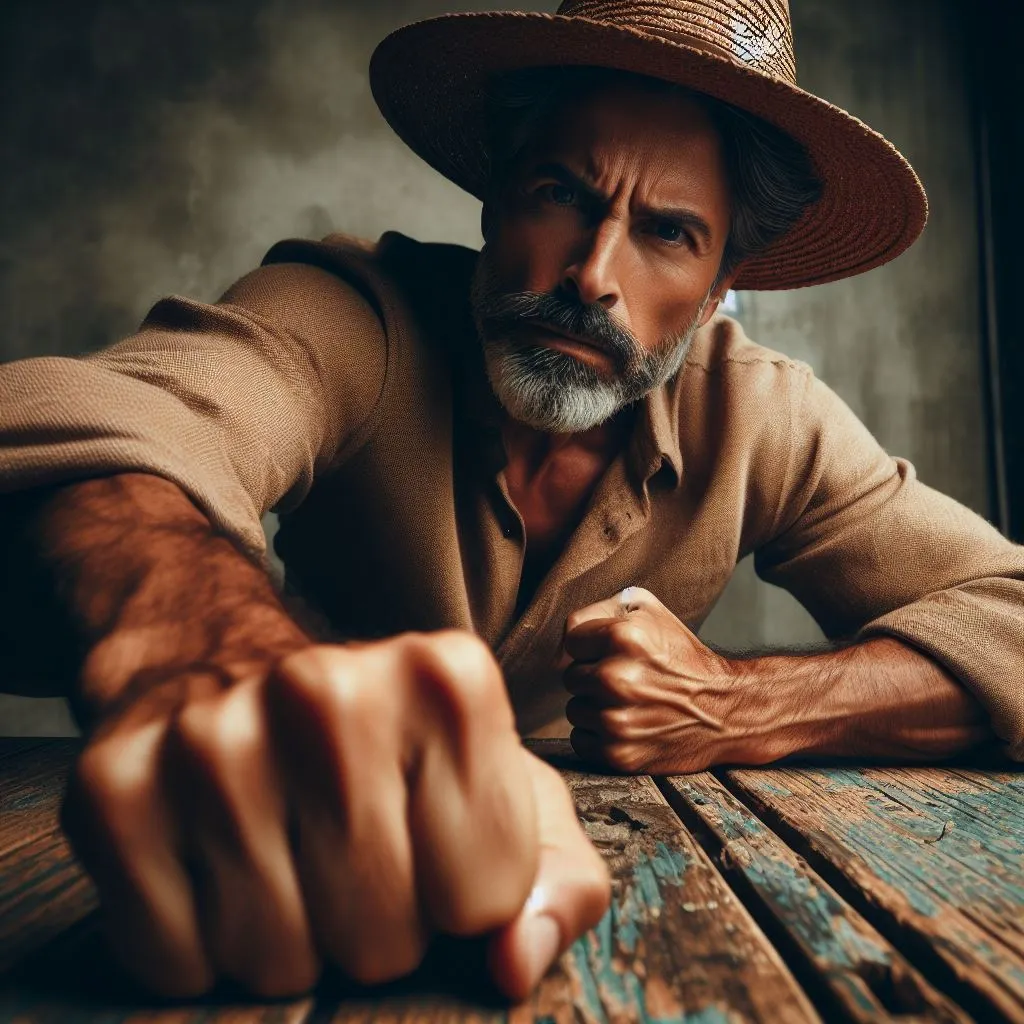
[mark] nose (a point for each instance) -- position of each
(592, 277)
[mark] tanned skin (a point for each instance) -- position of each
(253, 805)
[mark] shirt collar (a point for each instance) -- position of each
(655, 442)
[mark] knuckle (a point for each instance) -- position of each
(308, 673)
(629, 636)
(619, 678)
(460, 669)
(618, 722)
(107, 782)
(210, 735)
(326, 680)
(574, 620)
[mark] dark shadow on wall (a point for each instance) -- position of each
(999, 103)
(134, 131)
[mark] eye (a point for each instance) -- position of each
(560, 195)
(669, 231)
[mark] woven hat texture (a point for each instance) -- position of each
(430, 81)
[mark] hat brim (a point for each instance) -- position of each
(429, 80)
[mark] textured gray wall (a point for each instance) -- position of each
(158, 147)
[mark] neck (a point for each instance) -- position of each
(534, 447)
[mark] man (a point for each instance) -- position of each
(555, 451)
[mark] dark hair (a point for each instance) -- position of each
(771, 177)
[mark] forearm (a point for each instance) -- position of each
(880, 698)
(136, 591)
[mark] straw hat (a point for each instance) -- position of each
(429, 80)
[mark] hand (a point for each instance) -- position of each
(648, 696)
(344, 807)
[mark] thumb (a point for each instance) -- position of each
(570, 894)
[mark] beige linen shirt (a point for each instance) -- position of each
(342, 385)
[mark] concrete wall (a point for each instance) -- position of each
(162, 148)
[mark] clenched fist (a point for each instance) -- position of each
(343, 807)
(648, 696)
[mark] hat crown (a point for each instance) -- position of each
(754, 33)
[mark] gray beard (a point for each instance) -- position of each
(555, 393)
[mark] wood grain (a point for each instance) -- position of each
(32, 780)
(935, 857)
(42, 891)
(863, 978)
(676, 945)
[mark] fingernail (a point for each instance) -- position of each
(542, 940)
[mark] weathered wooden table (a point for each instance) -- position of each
(791, 894)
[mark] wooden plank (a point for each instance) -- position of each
(31, 786)
(676, 945)
(42, 890)
(859, 975)
(933, 856)
(42, 893)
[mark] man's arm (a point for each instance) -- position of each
(872, 552)
(649, 696)
(240, 788)
(119, 586)
(880, 698)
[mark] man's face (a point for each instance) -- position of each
(600, 257)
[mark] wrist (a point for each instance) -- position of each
(165, 664)
(778, 712)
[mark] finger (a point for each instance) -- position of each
(620, 605)
(584, 713)
(570, 894)
(604, 638)
(118, 822)
(611, 754)
(610, 682)
(251, 907)
(471, 802)
(352, 849)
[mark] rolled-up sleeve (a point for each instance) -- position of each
(240, 403)
(870, 550)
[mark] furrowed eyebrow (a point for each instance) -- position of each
(681, 216)
(564, 175)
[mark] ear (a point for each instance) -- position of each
(715, 298)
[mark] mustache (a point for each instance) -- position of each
(591, 322)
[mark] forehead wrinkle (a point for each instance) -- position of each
(665, 191)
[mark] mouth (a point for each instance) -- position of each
(555, 337)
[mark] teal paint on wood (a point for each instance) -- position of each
(675, 945)
(939, 851)
(844, 951)
(635, 908)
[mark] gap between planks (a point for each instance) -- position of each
(939, 954)
(850, 971)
